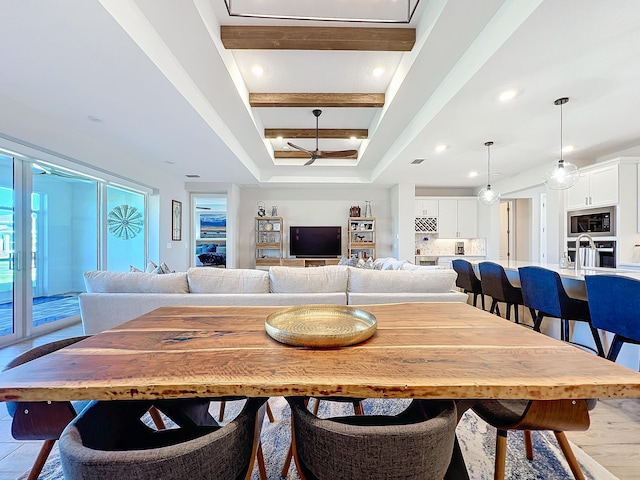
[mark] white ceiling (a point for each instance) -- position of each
(169, 95)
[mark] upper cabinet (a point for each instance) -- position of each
(597, 186)
(458, 218)
(426, 207)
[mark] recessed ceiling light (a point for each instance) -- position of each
(94, 119)
(417, 161)
(472, 174)
(257, 70)
(568, 148)
(192, 175)
(507, 95)
(286, 147)
(353, 139)
(378, 71)
(279, 139)
(440, 148)
(169, 162)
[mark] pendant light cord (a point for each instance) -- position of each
(488, 145)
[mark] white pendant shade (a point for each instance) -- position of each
(564, 175)
(488, 196)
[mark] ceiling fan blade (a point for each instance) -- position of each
(300, 148)
(337, 153)
(311, 160)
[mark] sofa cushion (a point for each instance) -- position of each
(401, 281)
(327, 279)
(227, 280)
(97, 281)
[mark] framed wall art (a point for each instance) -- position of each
(176, 221)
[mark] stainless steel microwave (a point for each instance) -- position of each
(597, 222)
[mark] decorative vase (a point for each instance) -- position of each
(367, 209)
(274, 211)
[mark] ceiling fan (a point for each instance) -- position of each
(315, 154)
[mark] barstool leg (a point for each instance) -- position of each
(598, 342)
(614, 350)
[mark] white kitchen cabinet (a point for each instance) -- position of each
(596, 187)
(426, 207)
(458, 218)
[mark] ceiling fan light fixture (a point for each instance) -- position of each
(488, 196)
(564, 175)
(385, 11)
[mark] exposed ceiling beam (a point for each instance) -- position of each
(354, 100)
(299, 154)
(317, 38)
(359, 133)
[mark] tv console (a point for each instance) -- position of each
(309, 262)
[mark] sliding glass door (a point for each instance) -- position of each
(7, 242)
(56, 224)
(64, 236)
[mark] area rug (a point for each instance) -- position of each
(477, 441)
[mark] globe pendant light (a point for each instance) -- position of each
(488, 196)
(564, 175)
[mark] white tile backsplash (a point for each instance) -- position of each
(447, 246)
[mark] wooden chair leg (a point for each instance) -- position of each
(223, 404)
(157, 418)
(262, 469)
(528, 444)
(568, 454)
(501, 455)
(41, 459)
(287, 462)
(270, 414)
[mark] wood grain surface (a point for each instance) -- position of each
(424, 350)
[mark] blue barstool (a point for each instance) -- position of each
(542, 291)
(467, 280)
(614, 304)
(496, 284)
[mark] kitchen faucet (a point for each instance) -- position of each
(578, 261)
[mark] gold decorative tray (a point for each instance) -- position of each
(320, 326)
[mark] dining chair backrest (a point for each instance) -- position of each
(614, 303)
(415, 444)
(542, 290)
(494, 281)
(467, 279)
(88, 449)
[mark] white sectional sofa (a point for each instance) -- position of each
(114, 297)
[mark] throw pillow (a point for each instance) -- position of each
(349, 262)
(151, 267)
(165, 268)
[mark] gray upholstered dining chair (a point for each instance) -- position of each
(95, 447)
(415, 444)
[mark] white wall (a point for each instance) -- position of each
(314, 205)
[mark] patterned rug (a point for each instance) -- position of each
(477, 441)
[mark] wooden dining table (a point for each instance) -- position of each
(419, 350)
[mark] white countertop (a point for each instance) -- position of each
(569, 273)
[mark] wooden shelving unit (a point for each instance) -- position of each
(268, 237)
(362, 237)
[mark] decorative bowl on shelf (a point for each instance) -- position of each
(321, 326)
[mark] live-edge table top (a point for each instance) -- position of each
(421, 350)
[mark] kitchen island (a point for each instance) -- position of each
(574, 284)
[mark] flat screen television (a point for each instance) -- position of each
(315, 241)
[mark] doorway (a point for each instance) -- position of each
(515, 229)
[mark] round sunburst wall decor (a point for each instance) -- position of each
(124, 221)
